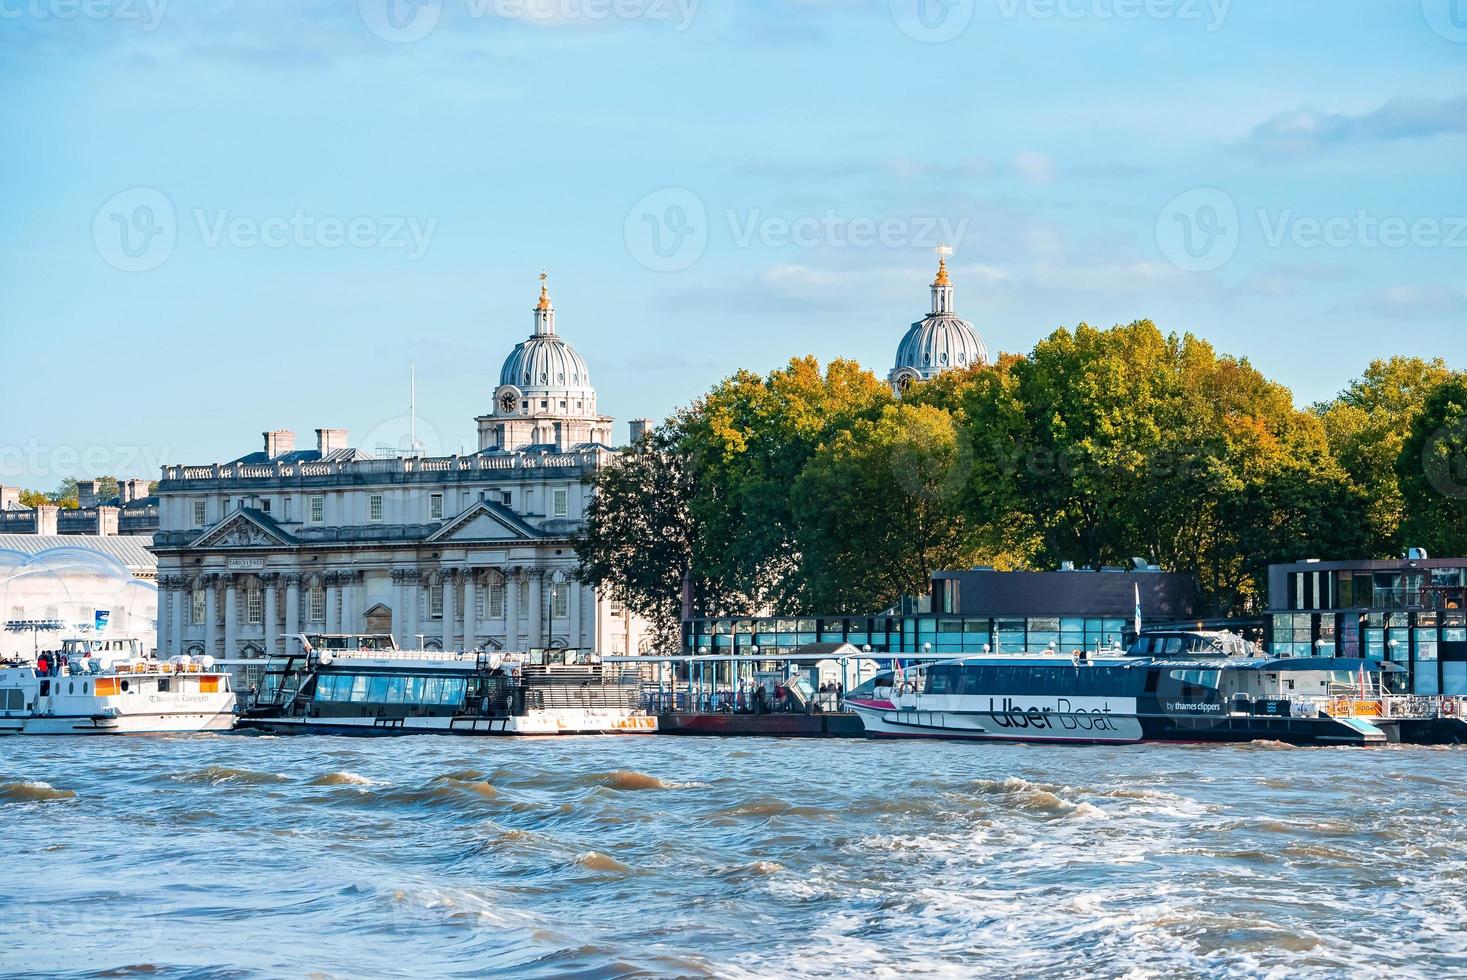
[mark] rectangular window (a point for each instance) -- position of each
(560, 502)
(254, 607)
(374, 508)
(201, 513)
(559, 600)
(317, 604)
(435, 506)
(435, 601)
(616, 608)
(316, 509)
(265, 505)
(496, 600)
(201, 607)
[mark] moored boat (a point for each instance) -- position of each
(365, 685)
(107, 685)
(1195, 686)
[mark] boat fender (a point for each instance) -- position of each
(325, 658)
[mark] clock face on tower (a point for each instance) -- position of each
(507, 400)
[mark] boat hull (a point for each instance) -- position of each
(1120, 725)
(572, 722)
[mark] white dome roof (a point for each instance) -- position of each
(545, 362)
(940, 341)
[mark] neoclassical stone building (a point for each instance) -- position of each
(452, 552)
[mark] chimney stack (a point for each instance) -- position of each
(129, 491)
(640, 429)
(331, 440)
(106, 521)
(46, 519)
(86, 493)
(9, 498)
(278, 442)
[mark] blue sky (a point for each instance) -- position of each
(223, 217)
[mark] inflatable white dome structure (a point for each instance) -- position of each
(66, 591)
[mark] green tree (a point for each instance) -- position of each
(1367, 425)
(1432, 469)
(748, 441)
(878, 510)
(636, 545)
(1107, 444)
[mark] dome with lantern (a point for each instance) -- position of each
(940, 341)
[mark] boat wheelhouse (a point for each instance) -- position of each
(107, 685)
(1170, 686)
(365, 685)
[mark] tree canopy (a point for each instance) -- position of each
(815, 489)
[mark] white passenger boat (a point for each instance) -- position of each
(107, 685)
(1172, 685)
(364, 685)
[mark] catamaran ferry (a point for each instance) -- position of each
(1169, 686)
(106, 685)
(365, 685)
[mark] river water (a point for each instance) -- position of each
(235, 856)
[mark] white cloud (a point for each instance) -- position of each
(1035, 167)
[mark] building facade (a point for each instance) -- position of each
(453, 553)
(940, 341)
(974, 610)
(1411, 611)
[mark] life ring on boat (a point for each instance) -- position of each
(1449, 706)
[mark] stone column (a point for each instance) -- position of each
(573, 628)
(333, 596)
(399, 608)
(352, 584)
(231, 615)
(210, 585)
(512, 609)
(471, 612)
(450, 610)
(537, 609)
(175, 637)
(292, 613)
(413, 600)
(271, 583)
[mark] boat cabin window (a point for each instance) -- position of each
(868, 689)
(389, 689)
(1060, 679)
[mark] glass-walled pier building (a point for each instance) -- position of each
(1412, 611)
(1007, 612)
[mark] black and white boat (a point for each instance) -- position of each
(1193, 686)
(365, 685)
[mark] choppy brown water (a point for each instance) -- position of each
(232, 856)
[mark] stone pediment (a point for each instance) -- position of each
(484, 521)
(243, 529)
